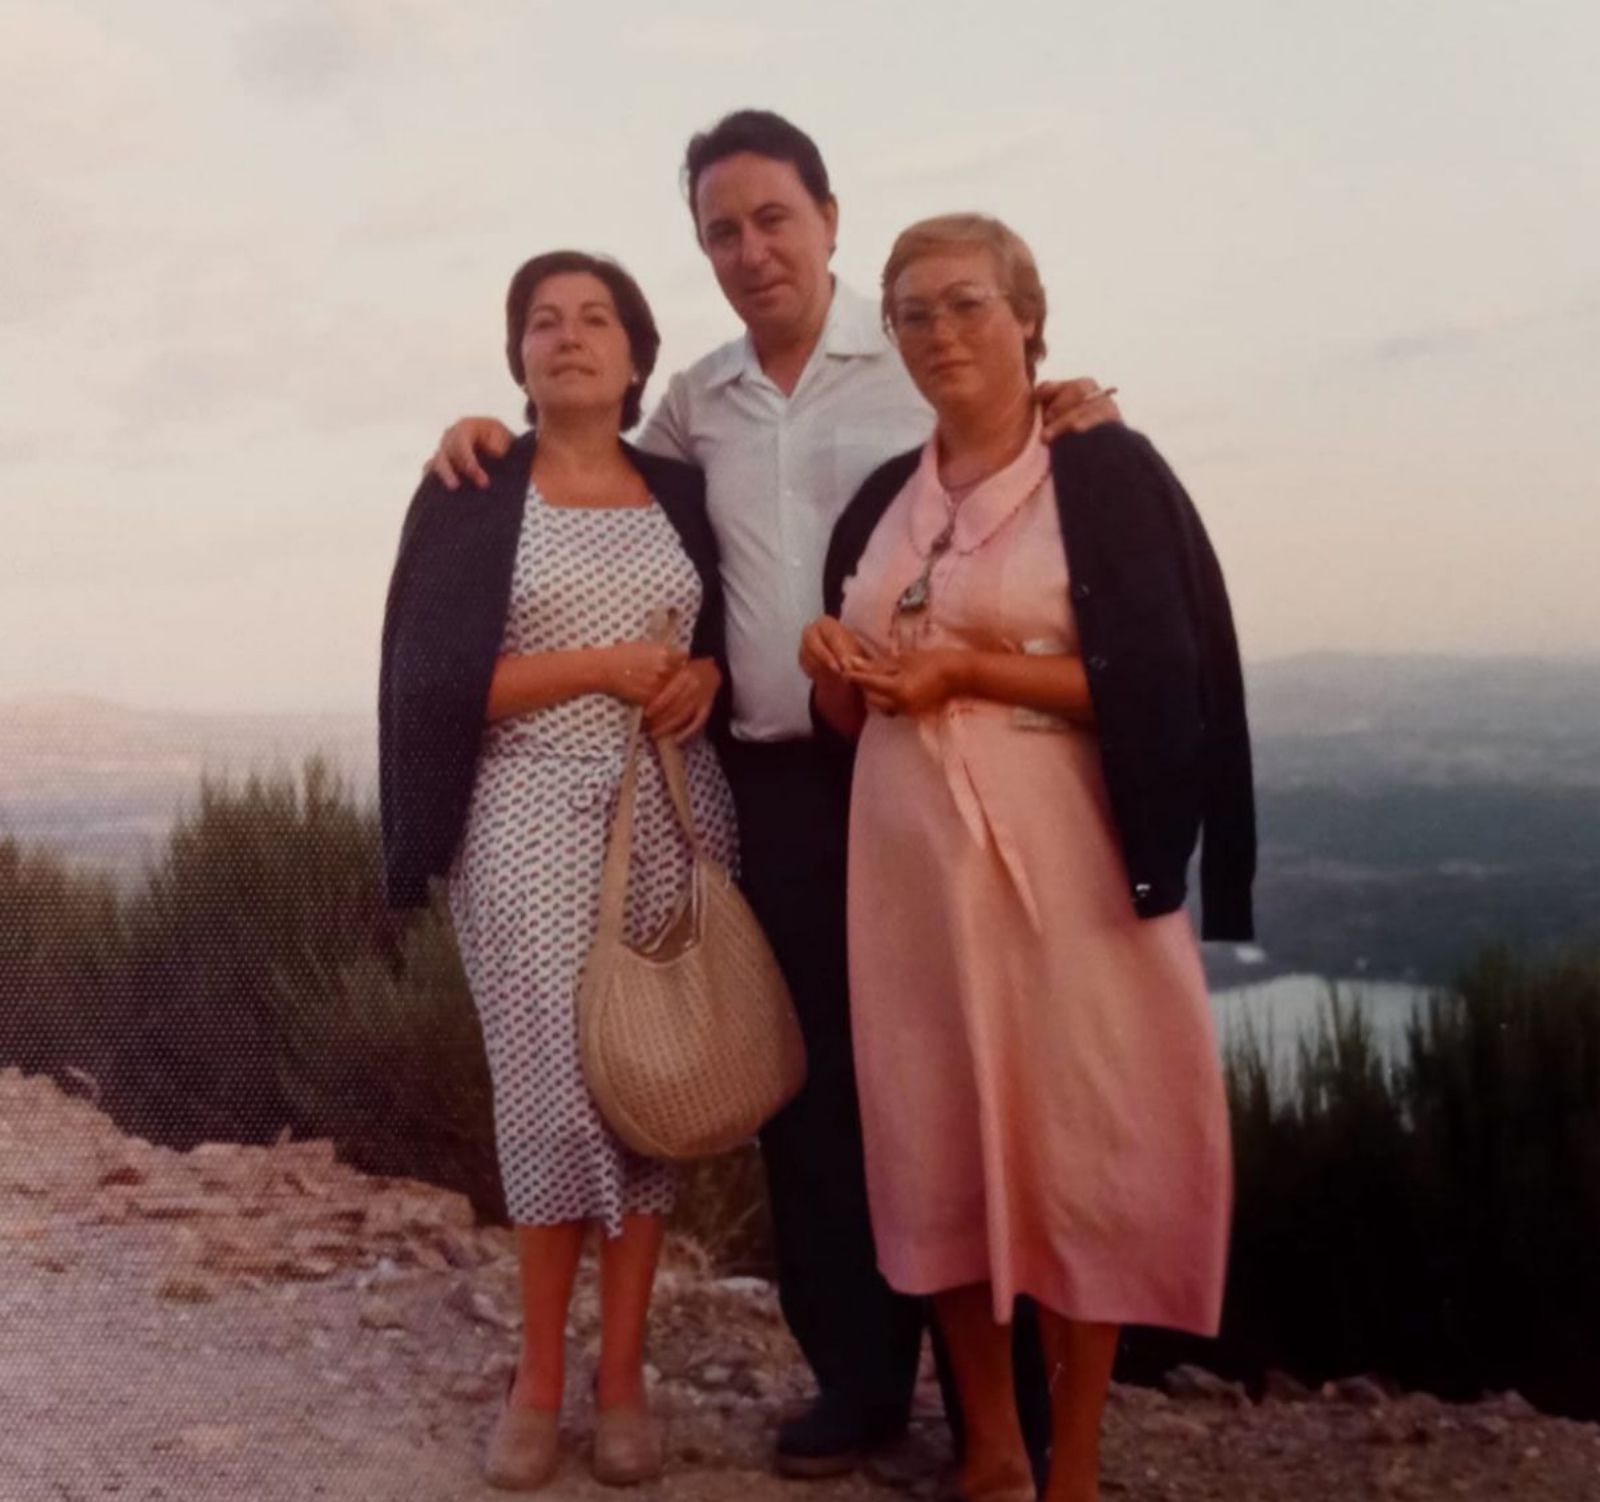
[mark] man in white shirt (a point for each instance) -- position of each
(779, 467)
(787, 421)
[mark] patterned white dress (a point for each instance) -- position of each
(525, 885)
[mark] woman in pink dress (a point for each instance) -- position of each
(1033, 649)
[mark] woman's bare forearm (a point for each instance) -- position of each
(1055, 681)
(525, 681)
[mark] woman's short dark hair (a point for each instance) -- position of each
(633, 312)
(762, 133)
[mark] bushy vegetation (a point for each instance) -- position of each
(253, 983)
(61, 954)
(1433, 1218)
(381, 1051)
(262, 890)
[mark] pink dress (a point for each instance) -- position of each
(1041, 1092)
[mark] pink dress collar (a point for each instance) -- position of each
(986, 508)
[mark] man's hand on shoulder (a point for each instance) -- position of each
(456, 458)
(1076, 406)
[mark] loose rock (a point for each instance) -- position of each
(281, 1317)
(1196, 1384)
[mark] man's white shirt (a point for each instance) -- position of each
(779, 470)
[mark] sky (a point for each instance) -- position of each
(1342, 261)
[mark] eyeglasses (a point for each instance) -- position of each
(967, 307)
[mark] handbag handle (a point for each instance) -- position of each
(619, 843)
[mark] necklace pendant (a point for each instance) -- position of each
(913, 597)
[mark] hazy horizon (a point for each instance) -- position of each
(1256, 669)
(1341, 264)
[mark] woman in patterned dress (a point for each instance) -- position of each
(516, 646)
(1032, 647)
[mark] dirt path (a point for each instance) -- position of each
(267, 1325)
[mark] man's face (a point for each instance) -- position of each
(769, 243)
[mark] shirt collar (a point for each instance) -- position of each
(851, 330)
(854, 326)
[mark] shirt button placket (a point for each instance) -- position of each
(788, 540)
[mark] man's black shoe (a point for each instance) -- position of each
(834, 1435)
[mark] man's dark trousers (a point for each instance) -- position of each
(861, 1339)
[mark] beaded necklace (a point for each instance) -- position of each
(915, 597)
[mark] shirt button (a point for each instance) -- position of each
(1099, 664)
(1080, 591)
(1141, 890)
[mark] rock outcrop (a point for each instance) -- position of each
(267, 1323)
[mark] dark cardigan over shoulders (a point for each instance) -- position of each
(442, 630)
(1157, 637)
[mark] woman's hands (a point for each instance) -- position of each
(637, 671)
(682, 705)
(676, 694)
(845, 669)
(911, 683)
(852, 677)
(830, 650)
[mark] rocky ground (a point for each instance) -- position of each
(267, 1325)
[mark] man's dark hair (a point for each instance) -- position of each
(644, 342)
(762, 133)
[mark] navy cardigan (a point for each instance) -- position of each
(442, 630)
(1163, 665)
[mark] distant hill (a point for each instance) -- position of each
(1412, 808)
(1415, 809)
(1331, 718)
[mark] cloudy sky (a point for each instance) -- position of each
(1342, 259)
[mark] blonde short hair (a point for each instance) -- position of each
(1014, 266)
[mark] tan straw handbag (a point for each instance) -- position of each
(690, 1041)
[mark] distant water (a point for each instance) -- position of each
(1286, 1009)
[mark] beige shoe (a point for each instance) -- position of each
(523, 1449)
(627, 1446)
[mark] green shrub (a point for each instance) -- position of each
(722, 1204)
(61, 956)
(270, 883)
(1502, 1091)
(1436, 1220)
(384, 1055)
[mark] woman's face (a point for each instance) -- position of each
(575, 351)
(960, 339)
